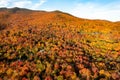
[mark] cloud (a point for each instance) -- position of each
(4, 3)
(37, 5)
(22, 3)
(110, 11)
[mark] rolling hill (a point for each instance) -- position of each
(38, 45)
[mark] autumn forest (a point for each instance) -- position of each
(41, 45)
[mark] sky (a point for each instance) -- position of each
(90, 9)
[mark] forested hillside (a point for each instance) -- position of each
(41, 45)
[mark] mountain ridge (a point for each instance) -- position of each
(21, 17)
(56, 11)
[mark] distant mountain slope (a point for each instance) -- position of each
(25, 17)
